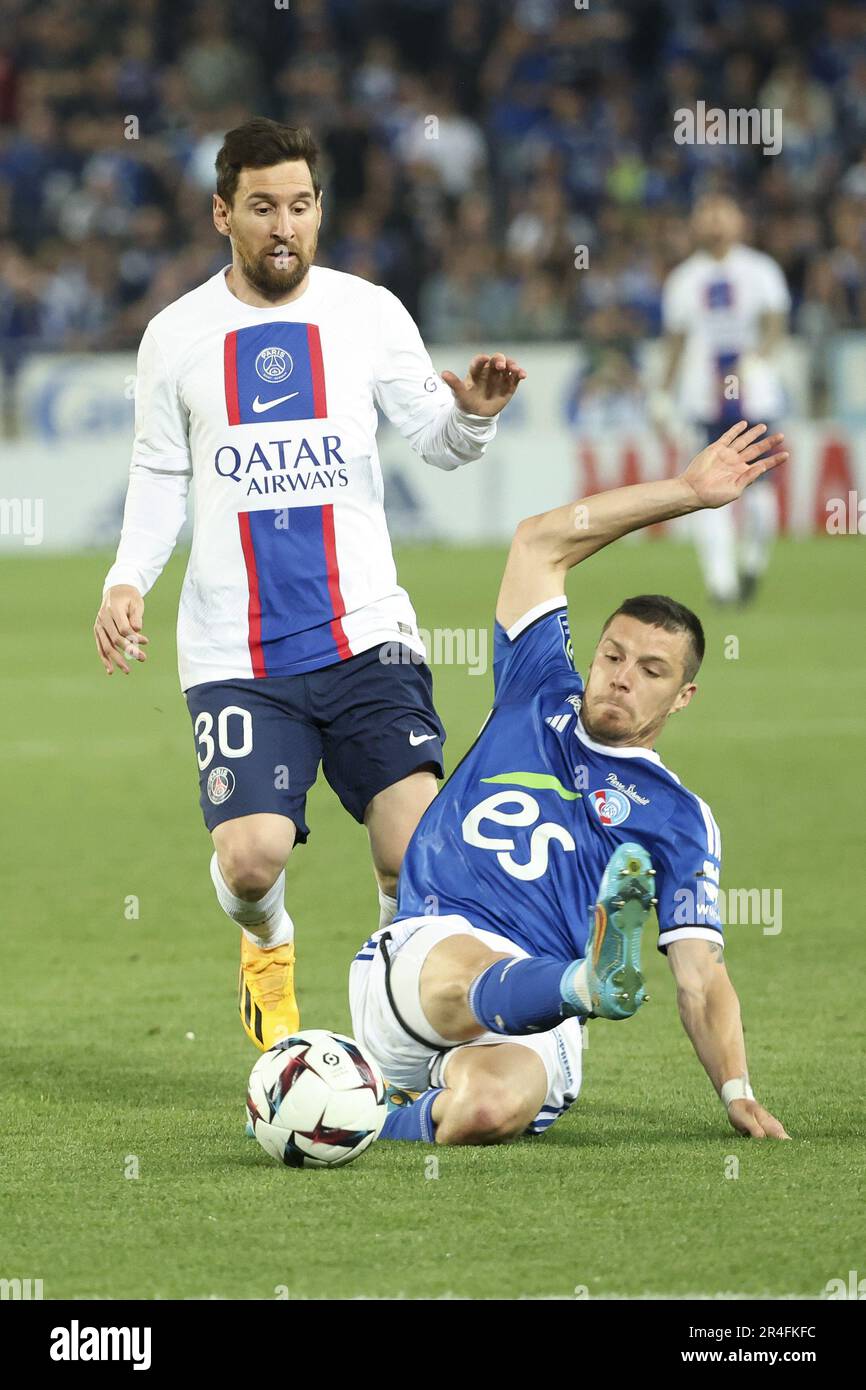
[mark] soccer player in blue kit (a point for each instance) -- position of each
(526, 886)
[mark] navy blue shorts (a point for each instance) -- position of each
(259, 742)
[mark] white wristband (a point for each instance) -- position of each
(738, 1089)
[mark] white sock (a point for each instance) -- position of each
(760, 523)
(715, 539)
(387, 909)
(265, 922)
(580, 985)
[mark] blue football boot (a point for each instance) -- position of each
(625, 898)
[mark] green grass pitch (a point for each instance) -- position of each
(629, 1194)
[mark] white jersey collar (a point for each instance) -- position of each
(302, 301)
(607, 748)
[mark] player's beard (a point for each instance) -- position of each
(268, 277)
(604, 724)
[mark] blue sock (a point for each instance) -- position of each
(521, 996)
(412, 1121)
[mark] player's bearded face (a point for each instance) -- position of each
(274, 237)
(635, 681)
(277, 267)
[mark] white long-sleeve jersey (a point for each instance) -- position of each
(718, 304)
(271, 412)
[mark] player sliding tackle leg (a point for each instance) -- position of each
(541, 889)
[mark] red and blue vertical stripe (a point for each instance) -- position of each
(296, 604)
(274, 371)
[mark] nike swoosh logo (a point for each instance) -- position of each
(259, 406)
(415, 739)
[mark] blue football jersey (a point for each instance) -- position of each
(519, 836)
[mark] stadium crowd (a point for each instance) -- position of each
(467, 150)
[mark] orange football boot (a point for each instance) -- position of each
(266, 993)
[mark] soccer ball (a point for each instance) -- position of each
(315, 1101)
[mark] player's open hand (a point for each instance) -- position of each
(722, 471)
(118, 628)
(489, 386)
(750, 1118)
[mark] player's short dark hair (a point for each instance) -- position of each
(257, 145)
(657, 610)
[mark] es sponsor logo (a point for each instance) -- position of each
(518, 810)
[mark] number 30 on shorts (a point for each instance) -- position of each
(226, 732)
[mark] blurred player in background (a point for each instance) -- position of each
(549, 844)
(724, 313)
(261, 387)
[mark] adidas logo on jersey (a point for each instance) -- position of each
(558, 721)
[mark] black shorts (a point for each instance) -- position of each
(369, 721)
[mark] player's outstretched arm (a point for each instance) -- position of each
(450, 420)
(547, 546)
(710, 1013)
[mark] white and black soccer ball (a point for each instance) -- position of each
(315, 1101)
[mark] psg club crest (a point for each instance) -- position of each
(274, 365)
(611, 806)
(220, 784)
(274, 371)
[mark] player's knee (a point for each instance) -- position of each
(445, 1002)
(493, 1115)
(445, 983)
(250, 867)
(388, 883)
(250, 880)
(448, 994)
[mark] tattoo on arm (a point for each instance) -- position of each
(717, 952)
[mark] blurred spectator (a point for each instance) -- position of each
(540, 312)
(468, 299)
(543, 229)
(608, 393)
(20, 290)
(445, 141)
(468, 152)
(217, 65)
(80, 300)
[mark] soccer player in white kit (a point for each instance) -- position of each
(260, 388)
(724, 312)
